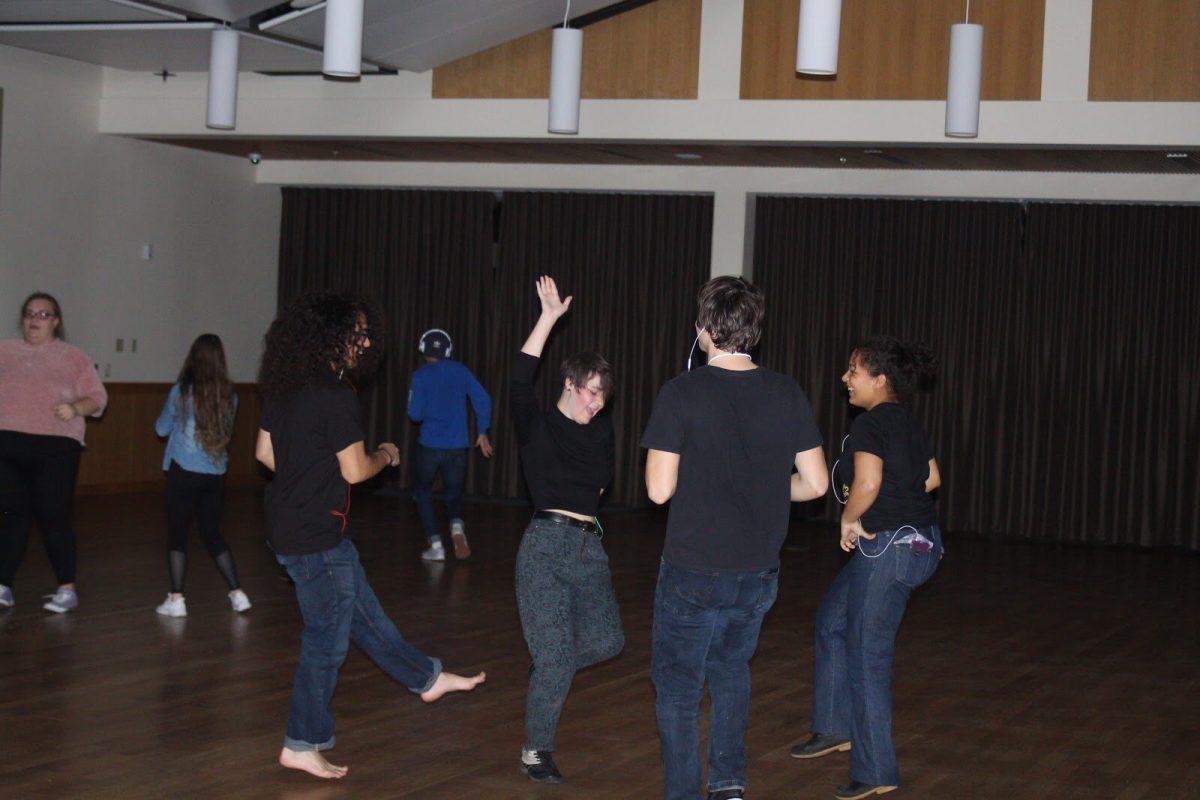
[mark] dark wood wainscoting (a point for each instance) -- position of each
(124, 454)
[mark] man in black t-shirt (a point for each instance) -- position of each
(311, 437)
(722, 440)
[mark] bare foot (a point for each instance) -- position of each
(449, 682)
(311, 761)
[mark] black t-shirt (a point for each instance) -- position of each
(737, 435)
(308, 500)
(889, 431)
(566, 464)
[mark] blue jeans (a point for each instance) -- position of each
(706, 626)
(453, 465)
(338, 606)
(856, 639)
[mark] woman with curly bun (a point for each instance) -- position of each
(312, 438)
(198, 421)
(890, 518)
(47, 388)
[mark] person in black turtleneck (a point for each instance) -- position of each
(564, 588)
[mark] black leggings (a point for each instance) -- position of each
(37, 482)
(200, 495)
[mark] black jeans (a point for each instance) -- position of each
(37, 482)
(569, 617)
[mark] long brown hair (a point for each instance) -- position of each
(205, 379)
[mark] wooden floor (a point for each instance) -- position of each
(1022, 671)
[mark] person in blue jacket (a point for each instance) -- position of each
(437, 400)
(198, 423)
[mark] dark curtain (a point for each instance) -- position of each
(633, 263)
(1066, 403)
(1109, 382)
(425, 257)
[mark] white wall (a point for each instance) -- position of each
(77, 206)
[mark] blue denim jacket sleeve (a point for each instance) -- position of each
(166, 419)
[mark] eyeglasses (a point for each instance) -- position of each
(42, 315)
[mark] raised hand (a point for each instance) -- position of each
(552, 305)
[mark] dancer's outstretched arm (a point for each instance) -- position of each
(552, 309)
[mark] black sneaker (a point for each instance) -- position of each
(727, 794)
(542, 768)
(821, 744)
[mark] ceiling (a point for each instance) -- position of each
(414, 35)
(830, 156)
(418, 35)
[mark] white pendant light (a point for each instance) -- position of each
(343, 38)
(817, 38)
(964, 79)
(222, 80)
(566, 74)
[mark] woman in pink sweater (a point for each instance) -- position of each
(47, 388)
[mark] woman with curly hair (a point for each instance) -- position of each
(890, 518)
(47, 389)
(312, 438)
(197, 420)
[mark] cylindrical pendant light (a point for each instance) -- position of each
(566, 73)
(963, 82)
(343, 38)
(222, 80)
(817, 39)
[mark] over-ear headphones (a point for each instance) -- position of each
(435, 342)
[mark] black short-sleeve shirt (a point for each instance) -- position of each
(891, 432)
(566, 464)
(308, 500)
(737, 435)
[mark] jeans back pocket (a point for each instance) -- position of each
(685, 592)
(914, 566)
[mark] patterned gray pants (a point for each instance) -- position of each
(569, 617)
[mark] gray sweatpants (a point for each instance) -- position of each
(568, 614)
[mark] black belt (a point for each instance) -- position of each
(563, 519)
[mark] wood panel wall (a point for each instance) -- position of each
(651, 52)
(124, 454)
(894, 50)
(1145, 50)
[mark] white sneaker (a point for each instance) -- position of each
(172, 607)
(6, 597)
(239, 601)
(61, 601)
(436, 552)
(458, 535)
